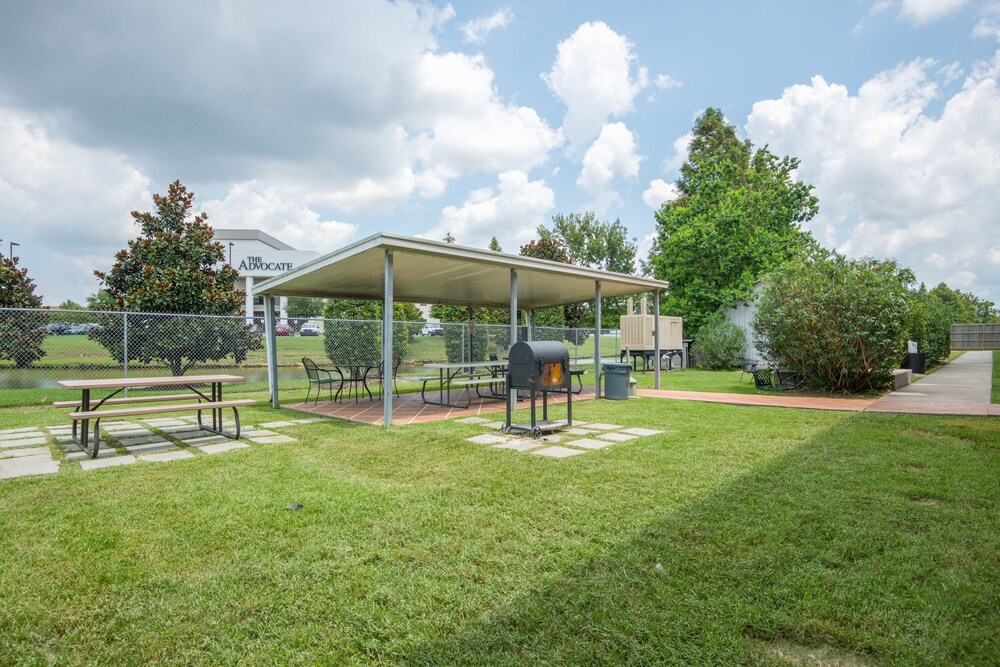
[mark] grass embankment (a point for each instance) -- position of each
(737, 534)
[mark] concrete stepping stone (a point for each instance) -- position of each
(180, 428)
(149, 448)
(277, 424)
(126, 434)
(191, 435)
(472, 420)
(577, 422)
(28, 465)
(495, 425)
(140, 440)
(488, 439)
(18, 453)
(59, 429)
(577, 431)
(224, 447)
(273, 439)
(120, 426)
(24, 442)
(308, 421)
(110, 462)
(617, 437)
(15, 431)
(589, 443)
(257, 432)
(167, 456)
(557, 452)
(603, 427)
(160, 423)
(79, 456)
(207, 440)
(642, 431)
(520, 445)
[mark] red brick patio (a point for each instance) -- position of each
(410, 408)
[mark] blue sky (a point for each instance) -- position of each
(324, 122)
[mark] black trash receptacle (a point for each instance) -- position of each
(616, 377)
(918, 362)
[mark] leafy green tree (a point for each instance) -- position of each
(21, 333)
(101, 300)
(599, 245)
(175, 267)
(495, 245)
(840, 321)
(934, 311)
(75, 318)
(721, 344)
(355, 337)
(304, 306)
(739, 216)
(571, 315)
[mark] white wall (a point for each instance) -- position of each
(741, 314)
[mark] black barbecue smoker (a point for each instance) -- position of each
(539, 367)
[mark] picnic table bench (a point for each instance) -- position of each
(95, 411)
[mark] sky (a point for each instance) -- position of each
(324, 122)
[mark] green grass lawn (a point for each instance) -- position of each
(738, 535)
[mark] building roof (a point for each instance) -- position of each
(250, 235)
(435, 272)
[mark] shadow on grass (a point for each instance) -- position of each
(828, 550)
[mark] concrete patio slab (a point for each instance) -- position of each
(224, 447)
(27, 466)
(110, 462)
(18, 453)
(588, 443)
(24, 442)
(618, 437)
(167, 456)
(557, 452)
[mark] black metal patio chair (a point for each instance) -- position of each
(773, 379)
(748, 366)
(322, 377)
(380, 375)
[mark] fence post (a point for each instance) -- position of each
(125, 346)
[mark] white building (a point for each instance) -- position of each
(741, 314)
(258, 256)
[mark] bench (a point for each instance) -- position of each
(125, 401)
(98, 415)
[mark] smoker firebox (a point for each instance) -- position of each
(540, 367)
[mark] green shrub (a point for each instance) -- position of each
(356, 336)
(721, 344)
(842, 322)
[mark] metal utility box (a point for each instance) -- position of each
(637, 332)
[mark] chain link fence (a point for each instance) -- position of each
(39, 347)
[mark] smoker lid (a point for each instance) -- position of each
(526, 352)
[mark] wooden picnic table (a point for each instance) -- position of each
(91, 408)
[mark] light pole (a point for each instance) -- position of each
(230, 253)
(12, 244)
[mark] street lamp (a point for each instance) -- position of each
(230, 253)
(12, 244)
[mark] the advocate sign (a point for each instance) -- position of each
(270, 263)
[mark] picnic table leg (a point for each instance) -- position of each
(85, 426)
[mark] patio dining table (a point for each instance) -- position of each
(449, 372)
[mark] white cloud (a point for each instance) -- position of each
(988, 24)
(659, 193)
(892, 179)
(961, 279)
(993, 255)
(254, 206)
(680, 147)
(478, 29)
(665, 82)
(593, 75)
(511, 212)
(612, 154)
(926, 11)
(67, 206)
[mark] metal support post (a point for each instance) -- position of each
(272, 350)
(512, 393)
(597, 338)
(387, 343)
(656, 339)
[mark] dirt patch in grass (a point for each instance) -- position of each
(927, 501)
(814, 656)
(916, 467)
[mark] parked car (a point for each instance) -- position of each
(432, 330)
(56, 328)
(282, 330)
(309, 329)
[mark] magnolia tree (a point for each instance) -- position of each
(840, 321)
(21, 333)
(175, 268)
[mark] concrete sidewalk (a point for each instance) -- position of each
(961, 388)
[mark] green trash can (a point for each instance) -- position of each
(616, 377)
